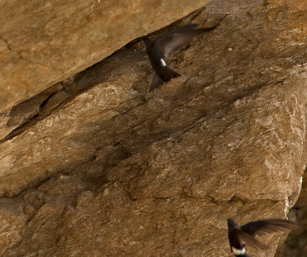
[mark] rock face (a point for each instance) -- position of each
(46, 41)
(97, 166)
(296, 243)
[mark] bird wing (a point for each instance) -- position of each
(262, 227)
(169, 41)
(250, 240)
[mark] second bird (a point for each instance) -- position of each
(160, 49)
(238, 236)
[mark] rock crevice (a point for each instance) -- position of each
(96, 165)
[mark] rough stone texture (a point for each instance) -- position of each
(97, 166)
(296, 243)
(44, 42)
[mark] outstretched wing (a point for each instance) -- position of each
(262, 227)
(249, 240)
(169, 41)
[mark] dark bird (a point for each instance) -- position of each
(159, 50)
(238, 236)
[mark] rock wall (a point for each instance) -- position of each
(96, 165)
(296, 243)
(44, 42)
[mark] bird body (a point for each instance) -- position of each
(156, 57)
(159, 50)
(238, 236)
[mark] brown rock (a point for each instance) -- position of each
(12, 220)
(296, 243)
(109, 169)
(45, 42)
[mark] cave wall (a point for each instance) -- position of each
(95, 165)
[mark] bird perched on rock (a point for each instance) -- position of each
(159, 50)
(238, 236)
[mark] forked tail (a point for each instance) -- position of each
(165, 74)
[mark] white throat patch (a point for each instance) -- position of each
(162, 62)
(238, 251)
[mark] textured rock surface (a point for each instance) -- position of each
(118, 171)
(296, 243)
(43, 42)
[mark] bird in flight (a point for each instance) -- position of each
(159, 50)
(238, 236)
